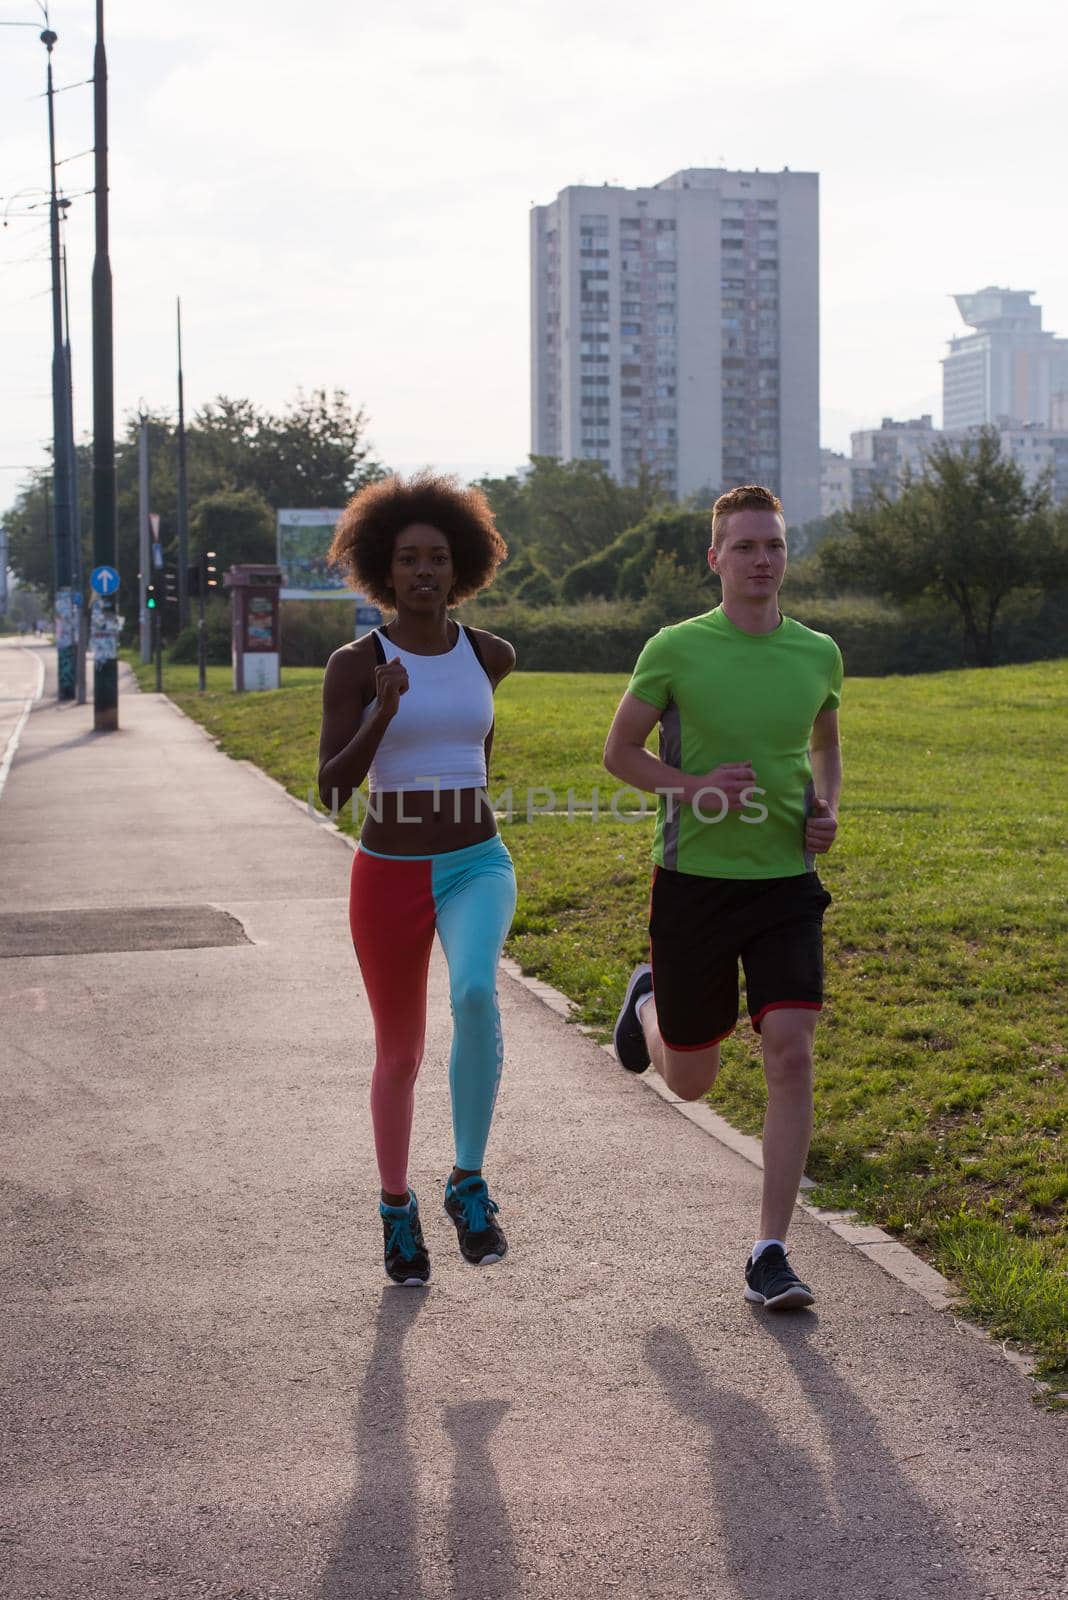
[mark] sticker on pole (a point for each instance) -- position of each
(104, 580)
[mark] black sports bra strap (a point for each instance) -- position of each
(473, 642)
(380, 653)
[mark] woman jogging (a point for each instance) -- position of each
(411, 705)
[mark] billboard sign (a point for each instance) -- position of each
(303, 540)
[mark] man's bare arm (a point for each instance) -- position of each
(825, 755)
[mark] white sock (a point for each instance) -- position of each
(644, 1001)
(762, 1244)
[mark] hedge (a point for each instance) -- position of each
(875, 638)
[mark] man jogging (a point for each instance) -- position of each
(748, 776)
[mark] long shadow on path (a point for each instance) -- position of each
(387, 1540)
(378, 1552)
(792, 1527)
(481, 1545)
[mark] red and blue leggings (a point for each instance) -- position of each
(395, 904)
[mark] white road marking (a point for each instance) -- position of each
(28, 705)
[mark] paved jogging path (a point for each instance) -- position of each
(211, 1391)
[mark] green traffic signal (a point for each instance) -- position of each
(150, 600)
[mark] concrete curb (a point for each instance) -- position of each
(888, 1253)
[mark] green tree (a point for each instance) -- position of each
(312, 454)
(624, 567)
(537, 589)
(28, 524)
(563, 511)
(969, 531)
(671, 592)
(520, 575)
(511, 509)
(237, 524)
(805, 538)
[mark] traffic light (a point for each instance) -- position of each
(203, 575)
(170, 585)
(151, 598)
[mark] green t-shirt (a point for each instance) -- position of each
(727, 695)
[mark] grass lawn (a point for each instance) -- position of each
(942, 1095)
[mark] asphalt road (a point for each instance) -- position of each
(210, 1390)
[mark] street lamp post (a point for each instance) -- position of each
(66, 648)
(183, 494)
(105, 642)
(77, 572)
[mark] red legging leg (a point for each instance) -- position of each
(391, 914)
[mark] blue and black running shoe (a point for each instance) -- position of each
(475, 1215)
(407, 1262)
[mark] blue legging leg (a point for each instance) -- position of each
(473, 920)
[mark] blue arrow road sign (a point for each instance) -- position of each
(104, 580)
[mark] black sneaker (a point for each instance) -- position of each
(628, 1040)
(407, 1261)
(470, 1207)
(772, 1281)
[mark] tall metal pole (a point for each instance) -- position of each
(77, 575)
(145, 574)
(183, 495)
(66, 653)
(105, 643)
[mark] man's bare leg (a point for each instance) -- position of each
(786, 1038)
(687, 1073)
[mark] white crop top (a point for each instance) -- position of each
(438, 737)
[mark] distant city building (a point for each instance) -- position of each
(1009, 369)
(883, 456)
(676, 328)
(836, 482)
(1037, 451)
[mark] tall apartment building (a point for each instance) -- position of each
(677, 328)
(1010, 369)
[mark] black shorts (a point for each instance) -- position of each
(699, 929)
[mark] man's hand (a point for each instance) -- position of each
(731, 780)
(391, 681)
(821, 825)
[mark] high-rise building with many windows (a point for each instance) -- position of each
(1009, 369)
(676, 328)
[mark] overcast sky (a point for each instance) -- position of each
(340, 192)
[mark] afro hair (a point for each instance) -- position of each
(368, 527)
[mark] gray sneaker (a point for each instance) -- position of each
(628, 1040)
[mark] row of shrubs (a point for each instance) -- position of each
(606, 635)
(876, 639)
(311, 630)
